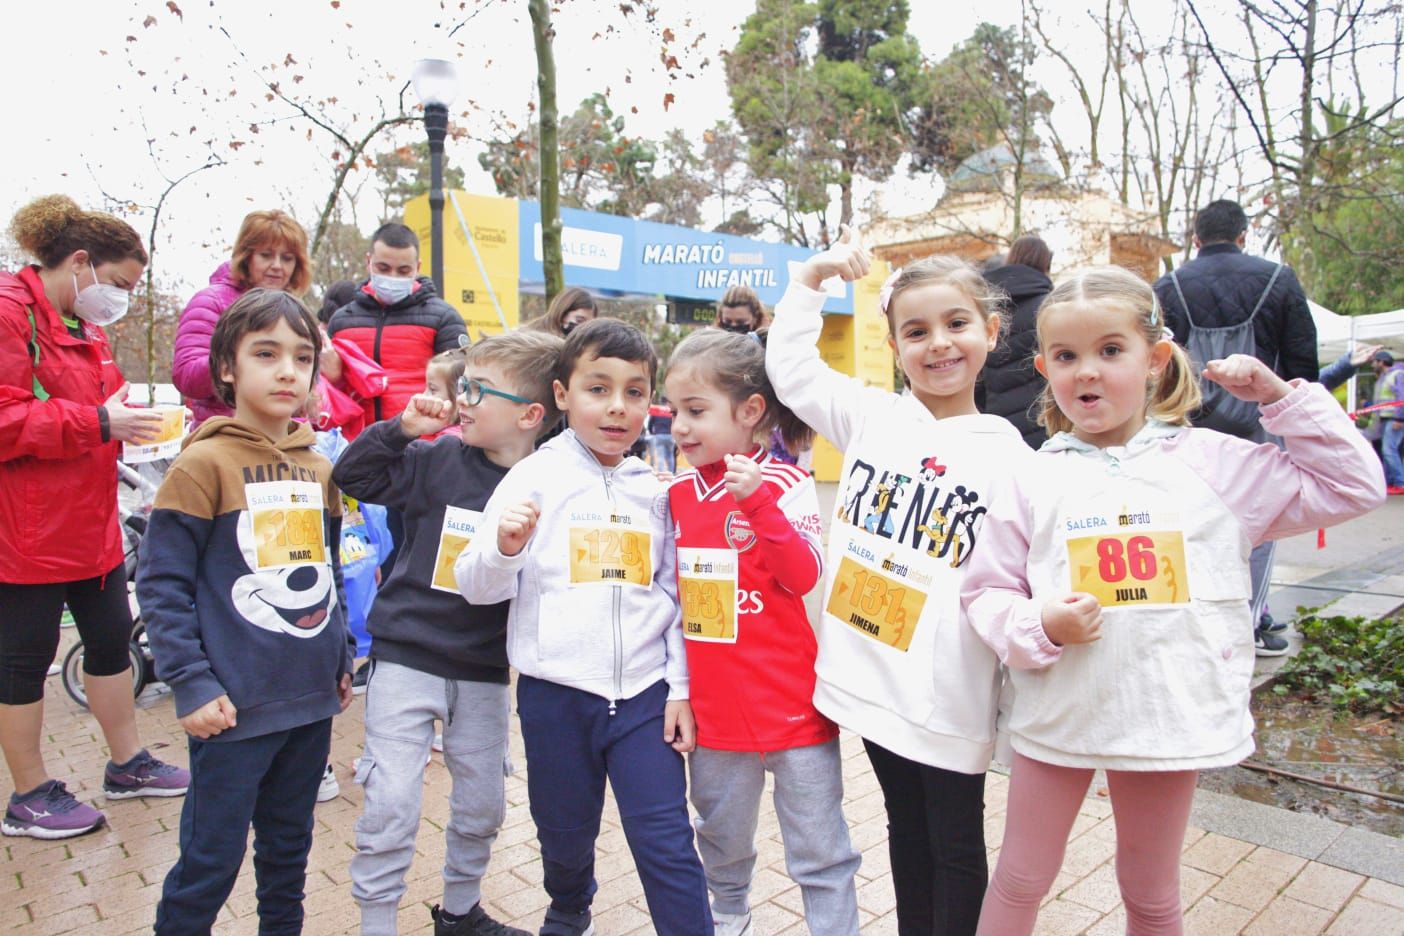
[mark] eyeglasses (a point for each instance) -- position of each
(474, 392)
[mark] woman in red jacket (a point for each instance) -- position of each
(61, 419)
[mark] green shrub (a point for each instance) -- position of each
(1354, 663)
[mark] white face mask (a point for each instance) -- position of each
(391, 289)
(100, 304)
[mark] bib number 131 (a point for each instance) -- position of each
(1130, 568)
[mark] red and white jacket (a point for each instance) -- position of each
(743, 571)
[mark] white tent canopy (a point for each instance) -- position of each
(1336, 334)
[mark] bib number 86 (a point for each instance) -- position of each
(1136, 557)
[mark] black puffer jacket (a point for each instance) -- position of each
(1222, 284)
(1009, 386)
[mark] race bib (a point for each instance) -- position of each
(167, 442)
(287, 523)
(876, 604)
(1131, 568)
(610, 547)
(460, 526)
(707, 592)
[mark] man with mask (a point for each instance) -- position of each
(397, 318)
(740, 310)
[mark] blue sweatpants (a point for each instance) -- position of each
(269, 781)
(573, 744)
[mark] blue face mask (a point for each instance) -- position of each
(391, 289)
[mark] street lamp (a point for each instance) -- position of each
(436, 84)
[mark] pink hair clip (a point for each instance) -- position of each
(885, 293)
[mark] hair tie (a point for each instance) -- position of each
(1155, 310)
(1167, 334)
(885, 293)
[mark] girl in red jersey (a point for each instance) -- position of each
(747, 529)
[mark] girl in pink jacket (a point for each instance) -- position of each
(1114, 585)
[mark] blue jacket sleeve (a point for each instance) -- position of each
(379, 466)
(165, 587)
(1337, 372)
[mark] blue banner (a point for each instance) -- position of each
(621, 255)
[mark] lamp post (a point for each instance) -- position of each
(436, 84)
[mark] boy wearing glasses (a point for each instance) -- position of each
(434, 656)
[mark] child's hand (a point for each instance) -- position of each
(211, 718)
(742, 476)
(1248, 378)
(515, 527)
(1073, 619)
(329, 362)
(847, 258)
(679, 727)
(344, 695)
(425, 414)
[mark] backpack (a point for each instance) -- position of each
(1220, 409)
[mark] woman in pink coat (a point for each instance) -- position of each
(270, 251)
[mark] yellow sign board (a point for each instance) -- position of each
(488, 227)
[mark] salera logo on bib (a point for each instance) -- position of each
(738, 531)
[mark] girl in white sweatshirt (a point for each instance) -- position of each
(1114, 584)
(896, 663)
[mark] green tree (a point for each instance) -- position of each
(776, 100)
(403, 173)
(977, 97)
(1349, 246)
(869, 75)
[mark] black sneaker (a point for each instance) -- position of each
(475, 922)
(1269, 624)
(565, 923)
(1269, 645)
(358, 680)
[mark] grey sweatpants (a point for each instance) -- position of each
(726, 787)
(401, 707)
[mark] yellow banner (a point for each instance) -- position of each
(492, 225)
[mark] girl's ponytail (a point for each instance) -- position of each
(736, 365)
(1175, 394)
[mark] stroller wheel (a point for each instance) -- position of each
(73, 672)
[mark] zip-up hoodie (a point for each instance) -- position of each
(897, 663)
(1159, 530)
(594, 592)
(240, 578)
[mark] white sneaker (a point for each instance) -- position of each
(732, 924)
(330, 789)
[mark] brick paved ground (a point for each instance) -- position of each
(109, 882)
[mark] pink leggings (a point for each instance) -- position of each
(1151, 812)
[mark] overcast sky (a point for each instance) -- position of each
(79, 128)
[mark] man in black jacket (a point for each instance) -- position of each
(1222, 286)
(1009, 386)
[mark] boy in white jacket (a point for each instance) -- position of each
(584, 550)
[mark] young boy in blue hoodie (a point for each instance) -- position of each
(434, 656)
(240, 587)
(579, 537)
